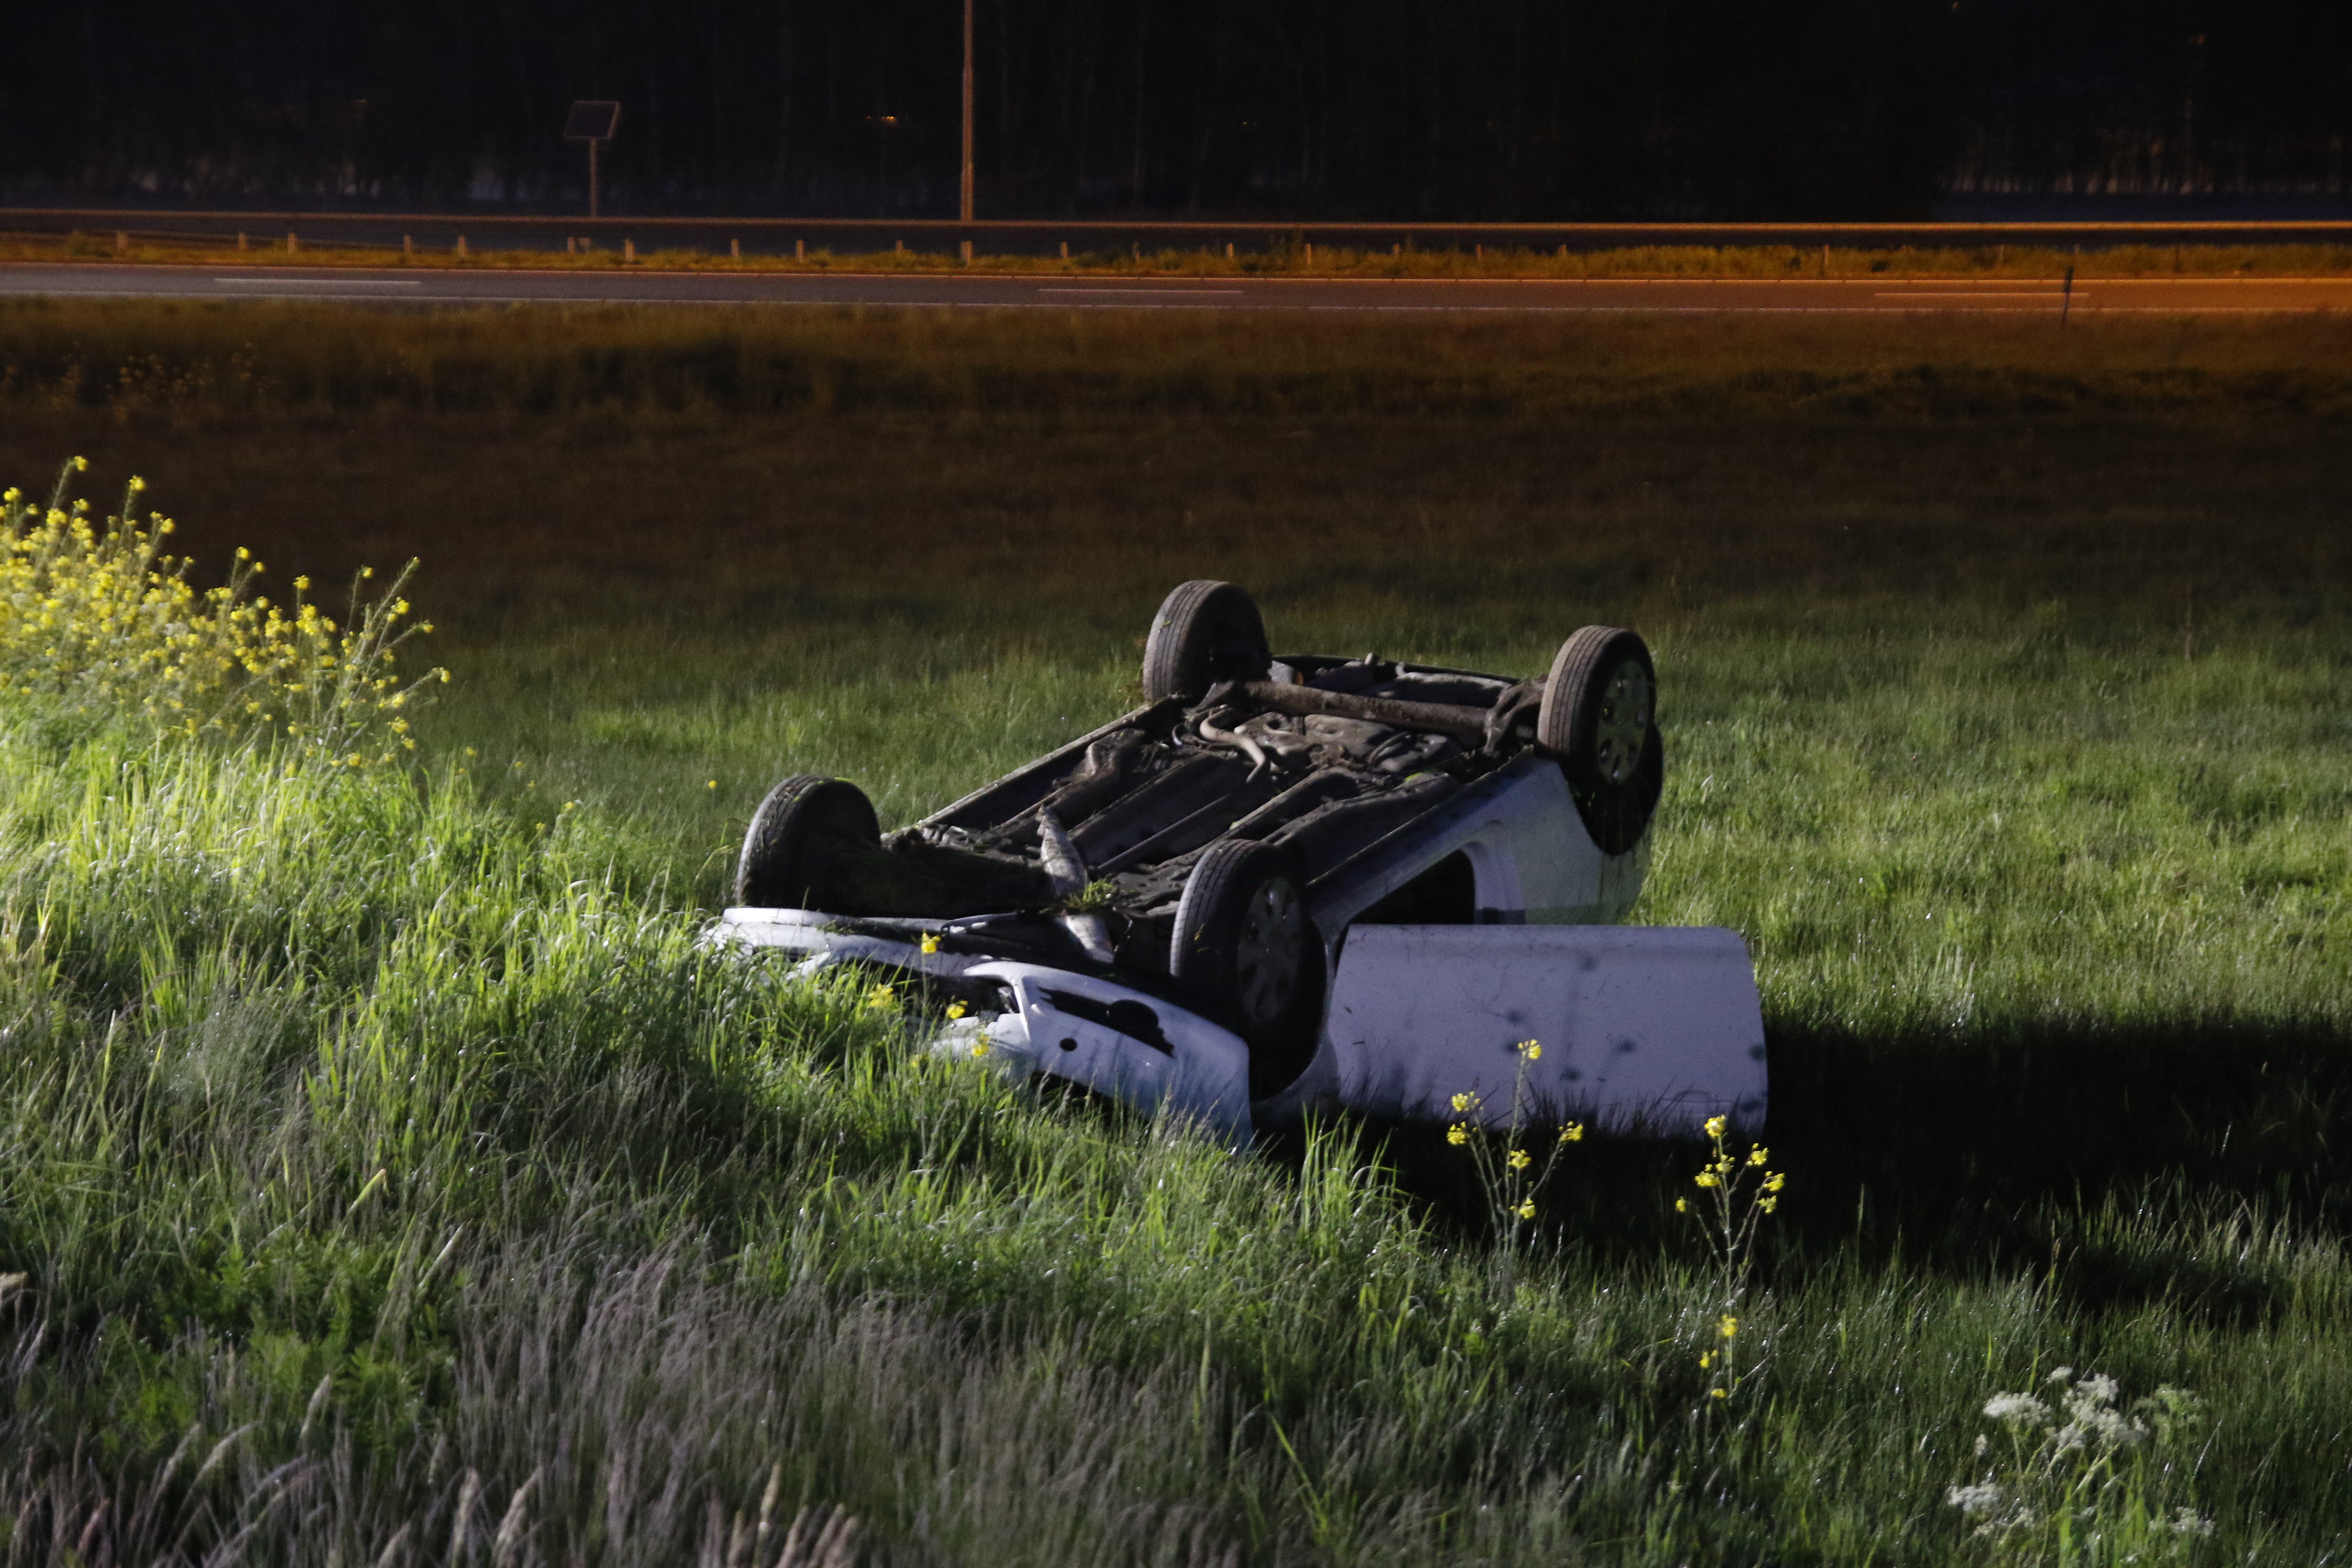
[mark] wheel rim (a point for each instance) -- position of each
(1623, 728)
(1266, 957)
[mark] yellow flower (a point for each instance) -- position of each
(1519, 1160)
(930, 941)
(1756, 1156)
(1705, 1361)
(1727, 1325)
(956, 1010)
(1457, 1134)
(1530, 1050)
(1682, 1205)
(301, 584)
(1774, 1180)
(712, 785)
(1768, 1205)
(1528, 1209)
(1464, 1102)
(1714, 1126)
(979, 1047)
(1708, 1179)
(1572, 1132)
(1717, 1393)
(881, 997)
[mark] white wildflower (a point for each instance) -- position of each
(2018, 1408)
(2099, 1388)
(2090, 1409)
(2111, 1430)
(2062, 1473)
(1976, 1499)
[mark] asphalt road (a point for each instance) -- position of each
(2161, 296)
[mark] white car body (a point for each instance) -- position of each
(1642, 1029)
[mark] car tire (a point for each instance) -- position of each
(1204, 632)
(1599, 719)
(1244, 945)
(802, 833)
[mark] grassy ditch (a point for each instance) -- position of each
(378, 1140)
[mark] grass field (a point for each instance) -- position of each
(394, 1181)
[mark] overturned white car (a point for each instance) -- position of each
(1298, 881)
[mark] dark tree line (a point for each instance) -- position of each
(1407, 109)
(2159, 96)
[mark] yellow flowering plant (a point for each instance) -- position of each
(1509, 1173)
(1737, 1192)
(96, 616)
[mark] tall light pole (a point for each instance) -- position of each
(963, 205)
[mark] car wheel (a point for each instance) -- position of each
(798, 838)
(1204, 633)
(1598, 718)
(1242, 941)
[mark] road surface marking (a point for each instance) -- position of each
(325, 282)
(1151, 293)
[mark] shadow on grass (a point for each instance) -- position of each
(2125, 1165)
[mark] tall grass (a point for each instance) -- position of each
(412, 1162)
(395, 1178)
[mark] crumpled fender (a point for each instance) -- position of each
(1137, 1049)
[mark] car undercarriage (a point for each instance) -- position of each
(1213, 850)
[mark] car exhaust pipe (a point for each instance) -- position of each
(1455, 721)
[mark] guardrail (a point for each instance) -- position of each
(778, 235)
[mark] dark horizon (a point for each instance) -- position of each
(1501, 111)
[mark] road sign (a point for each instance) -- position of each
(593, 120)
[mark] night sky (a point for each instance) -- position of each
(1534, 110)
